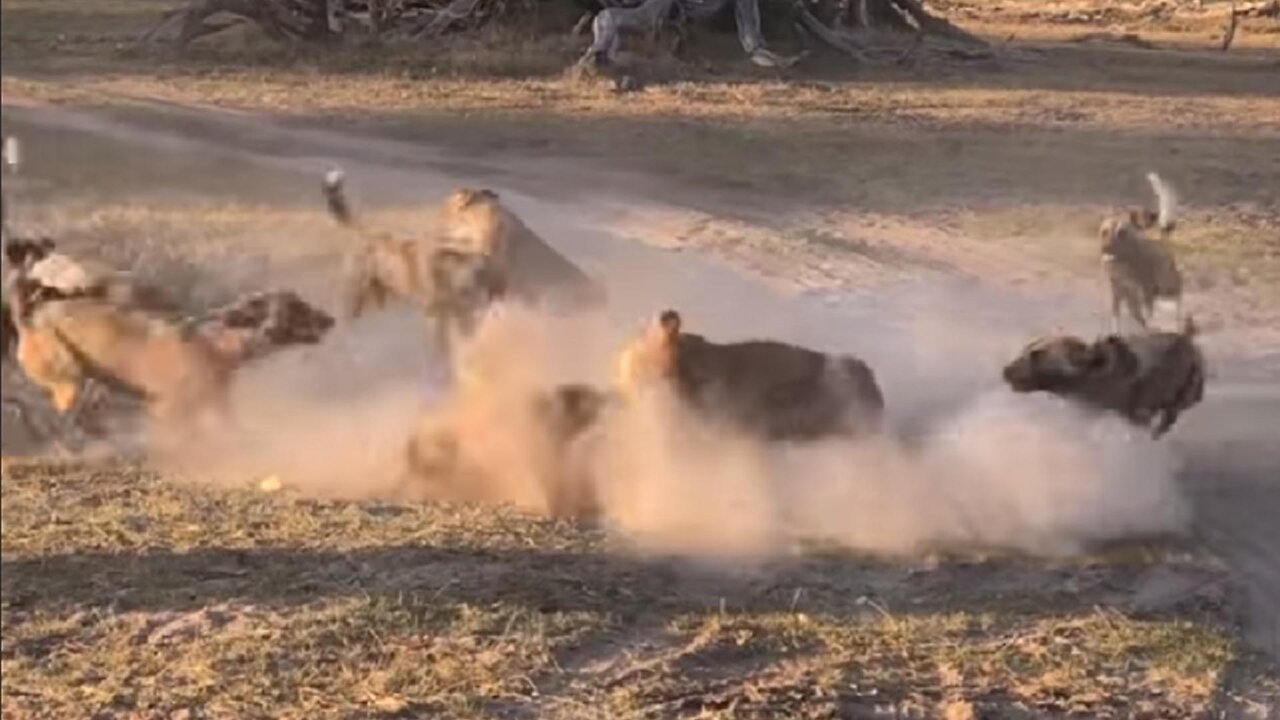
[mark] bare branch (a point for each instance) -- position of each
(456, 10)
(844, 42)
(1230, 35)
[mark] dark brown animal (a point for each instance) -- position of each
(1149, 379)
(773, 389)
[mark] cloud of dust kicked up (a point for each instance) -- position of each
(331, 420)
(992, 470)
(1026, 473)
(999, 470)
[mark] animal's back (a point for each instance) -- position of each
(1172, 370)
(1133, 256)
(780, 390)
(130, 347)
(862, 384)
(537, 270)
(751, 362)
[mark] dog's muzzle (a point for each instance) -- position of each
(1017, 378)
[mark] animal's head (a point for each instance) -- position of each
(651, 356)
(1108, 230)
(266, 321)
(1051, 362)
(23, 293)
(22, 254)
(1143, 218)
(465, 197)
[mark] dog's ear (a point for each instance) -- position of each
(1107, 230)
(1111, 356)
(467, 197)
(1079, 356)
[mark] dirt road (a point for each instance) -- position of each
(925, 321)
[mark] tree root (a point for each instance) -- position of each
(279, 19)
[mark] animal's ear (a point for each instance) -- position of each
(470, 196)
(1111, 356)
(47, 244)
(1080, 356)
(669, 321)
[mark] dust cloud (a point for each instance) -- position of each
(993, 470)
(1011, 472)
(330, 420)
(965, 463)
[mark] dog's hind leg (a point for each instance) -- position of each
(1135, 305)
(1167, 419)
(71, 405)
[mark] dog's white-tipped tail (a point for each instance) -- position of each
(335, 197)
(333, 179)
(1166, 201)
(12, 152)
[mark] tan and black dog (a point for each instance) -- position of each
(182, 370)
(1140, 270)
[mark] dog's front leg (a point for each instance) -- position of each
(1135, 311)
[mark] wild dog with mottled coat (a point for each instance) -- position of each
(771, 389)
(1149, 379)
(451, 286)
(182, 370)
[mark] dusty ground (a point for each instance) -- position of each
(931, 213)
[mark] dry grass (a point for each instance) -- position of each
(128, 595)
